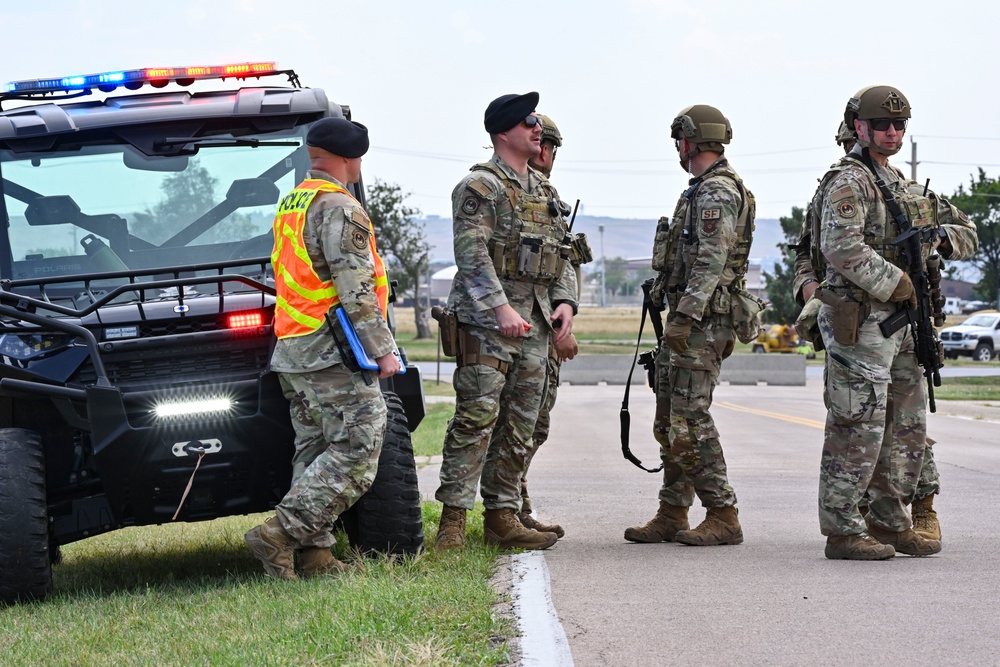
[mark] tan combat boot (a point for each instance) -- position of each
(501, 528)
(857, 547)
(906, 542)
(721, 526)
(451, 530)
(529, 521)
(663, 527)
(319, 562)
(274, 547)
(925, 519)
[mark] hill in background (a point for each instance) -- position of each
(629, 238)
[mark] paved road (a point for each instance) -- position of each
(774, 600)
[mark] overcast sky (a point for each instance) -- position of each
(612, 76)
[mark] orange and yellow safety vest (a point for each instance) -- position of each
(303, 298)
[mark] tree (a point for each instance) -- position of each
(982, 204)
(186, 196)
(403, 243)
(780, 284)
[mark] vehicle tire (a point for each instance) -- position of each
(951, 355)
(388, 519)
(983, 352)
(758, 349)
(25, 570)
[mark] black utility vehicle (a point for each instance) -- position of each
(136, 301)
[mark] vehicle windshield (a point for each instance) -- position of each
(109, 207)
(981, 321)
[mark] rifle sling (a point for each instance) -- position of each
(624, 416)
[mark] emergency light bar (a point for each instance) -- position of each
(136, 78)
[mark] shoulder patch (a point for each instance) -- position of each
(470, 205)
(847, 209)
(357, 233)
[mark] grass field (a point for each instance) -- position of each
(191, 594)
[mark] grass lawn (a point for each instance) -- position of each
(191, 594)
(968, 389)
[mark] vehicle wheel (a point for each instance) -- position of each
(25, 570)
(951, 355)
(758, 349)
(983, 352)
(388, 519)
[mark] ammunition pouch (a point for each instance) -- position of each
(582, 253)
(851, 308)
(746, 309)
(664, 246)
(721, 302)
(470, 353)
(531, 258)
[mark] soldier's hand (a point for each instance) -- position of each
(677, 333)
(388, 365)
(904, 291)
(509, 323)
(567, 348)
(562, 320)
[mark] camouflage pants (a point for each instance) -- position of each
(541, 433)
(864, 447)
(683, 425)
(489, 437)
(339, 424)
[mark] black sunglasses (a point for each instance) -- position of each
(882, 124)
(532, 121)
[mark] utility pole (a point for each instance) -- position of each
(600, 228)
(913, 159)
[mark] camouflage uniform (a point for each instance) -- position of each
(697, 281)
(484, 216)
(339, 419)
(863, 447)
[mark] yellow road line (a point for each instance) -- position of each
(774, 415)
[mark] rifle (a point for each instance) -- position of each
(924, 337)
(673, 472)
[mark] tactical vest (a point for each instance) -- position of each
(536, 246)
(676, 244)
(920, 209)
(303, 299)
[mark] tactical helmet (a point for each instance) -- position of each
(845, 134)
(876, 102)
(701, 124)
(549, 130)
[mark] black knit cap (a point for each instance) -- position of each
(339, 136)
(507, 111)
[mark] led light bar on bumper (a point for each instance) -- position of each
(136, 78)
(200, 406)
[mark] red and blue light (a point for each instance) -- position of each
(136, 78)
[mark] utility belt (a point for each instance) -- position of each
(457, 342)
(532, 258)
(720, 303)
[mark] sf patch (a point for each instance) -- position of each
(710, 221)
(470, 205)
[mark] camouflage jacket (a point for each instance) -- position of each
(482, 210)
(856, 228)
(328, 238)
(709, 237)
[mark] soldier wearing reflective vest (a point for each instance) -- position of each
(514, 282)
(867, 372)
(324, 257)
(700, 257)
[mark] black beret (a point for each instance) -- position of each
(507, 111)
(339, 136)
